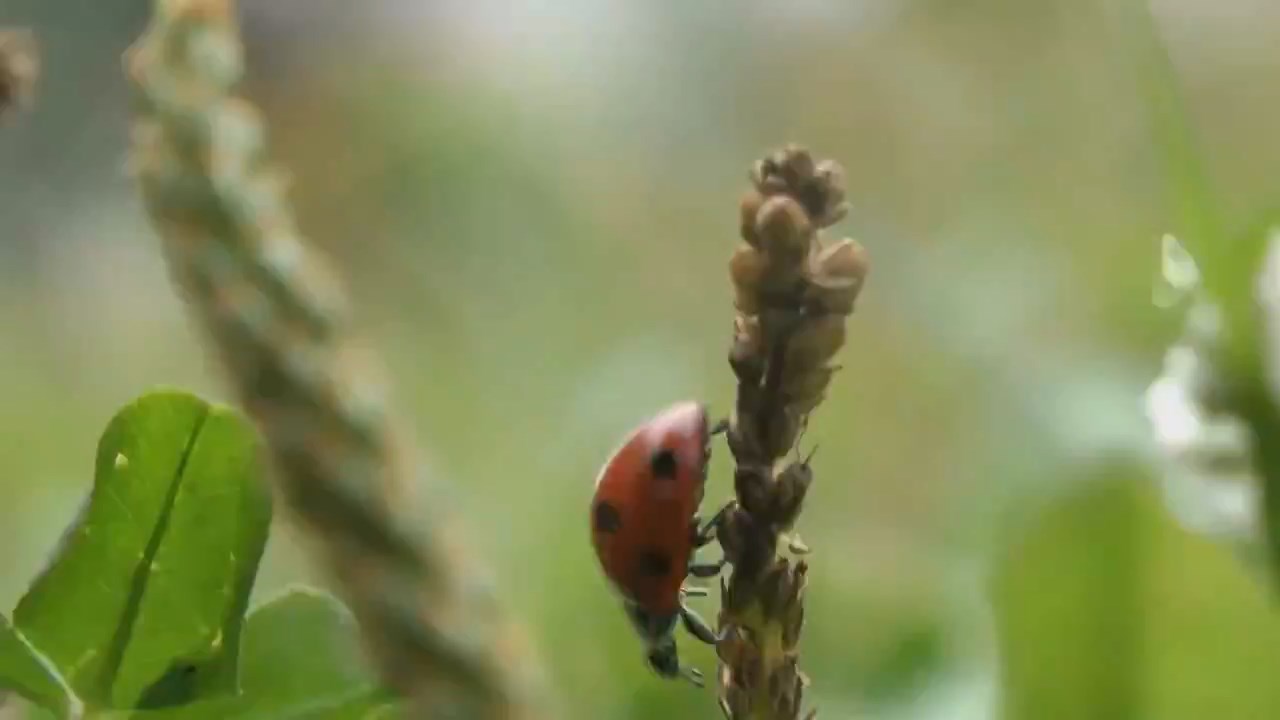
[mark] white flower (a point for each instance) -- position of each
(1205, 457)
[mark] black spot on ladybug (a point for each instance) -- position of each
(663, 464)
(654, 563)
(606, 518)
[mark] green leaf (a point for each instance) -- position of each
(301, 651)
(25, 671)
(144, 599)
(366, 705)
(301, 661)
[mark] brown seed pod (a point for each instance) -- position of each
(789, 493)
(816, 342)
(804, 390)
(827, 195)
(752, 486)
(833, 295)
(748, 211)
(806, 404)
(731, 534)
(842, 261)
(747, 336)
(747, 268)
(794, 165)
(830, 175)
(784, 231)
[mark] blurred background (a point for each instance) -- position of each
(534, 204)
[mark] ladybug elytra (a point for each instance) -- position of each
(645, 529)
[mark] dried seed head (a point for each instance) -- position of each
(748, 211)
(795, 544)
(828, 183)
(785, 689)
(752, 485)
(836, 273)
(780, 436)
(830, 175)
(746, 268)
(804, 390)
(730, 535)
(792, 293)
(772, 588)
(789, 492)
(729, 649)
(747, 356)
(785, 232)
(793, 625)
(844, 260)
(784, 170)
(819, 188)
(815, 343)
(747, 331)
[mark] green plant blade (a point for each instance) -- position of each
(368, 705)
(144, 599)
(25, 671)
(301, 650)
(301, 660)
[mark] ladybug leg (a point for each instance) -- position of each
(707, 570)
(698, 627)
(721, 426)
(705, 534)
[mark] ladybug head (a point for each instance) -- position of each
(653, 627)
(665, 661)
(663, 658)
(656, 628)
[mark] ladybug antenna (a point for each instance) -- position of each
(721, 426)
(693, 591)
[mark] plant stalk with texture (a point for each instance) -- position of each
(793, 291)
(279, 323)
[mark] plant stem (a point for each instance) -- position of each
(278, 321)
(793, 292)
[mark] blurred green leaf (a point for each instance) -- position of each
(25, 671)
(1067, 601)
(143, 602)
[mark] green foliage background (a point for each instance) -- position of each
(534, 208)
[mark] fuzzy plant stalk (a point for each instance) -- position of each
(279, 322)
(19, 66)
(793, 291)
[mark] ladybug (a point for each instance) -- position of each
(645, 529)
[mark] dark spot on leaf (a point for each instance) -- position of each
(654, 563)
(663, 464)
(607, 519)
(176, 687)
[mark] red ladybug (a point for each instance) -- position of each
(645, 528)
